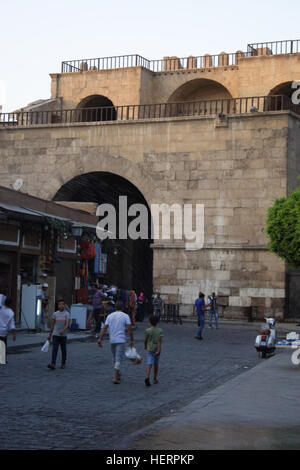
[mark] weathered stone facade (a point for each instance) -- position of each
(253, 76)
(234, 164)
(236, 170)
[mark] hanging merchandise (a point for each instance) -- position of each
(97, 258)
(103, 263)
(100, 263)
(82, 296)
(88, 250)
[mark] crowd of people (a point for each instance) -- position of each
(109, 317)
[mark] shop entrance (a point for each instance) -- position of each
(5, 279)
(129, 262)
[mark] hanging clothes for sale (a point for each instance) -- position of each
(87, 250)
(97, 260)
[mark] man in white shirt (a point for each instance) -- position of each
(116, 324)
(7, 321)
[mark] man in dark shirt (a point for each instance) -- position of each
(97, 306)
(200, 308)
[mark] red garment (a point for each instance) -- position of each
(82, 296)
(88, 250)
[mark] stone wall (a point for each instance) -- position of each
(253, 76)
(235, 168)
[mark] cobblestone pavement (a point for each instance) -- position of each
(80, 408)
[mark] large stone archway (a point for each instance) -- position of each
(95, 160)
(130, 261)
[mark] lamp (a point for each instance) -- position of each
(76, 231)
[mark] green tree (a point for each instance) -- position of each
(283, 228)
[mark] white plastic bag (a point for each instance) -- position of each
(45, 348)
(131, 353)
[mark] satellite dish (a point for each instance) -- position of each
(18, 184)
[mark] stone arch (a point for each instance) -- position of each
(96, 108)
(199, 89)
(280, 96)
(94, 160)
(284, 88)
(130, 261)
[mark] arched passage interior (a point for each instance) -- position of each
(199, 96)
(198, 90)
(130, 262)
(97, 108)
(280, 96)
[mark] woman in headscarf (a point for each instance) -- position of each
(141, 306)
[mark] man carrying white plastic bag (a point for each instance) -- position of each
(116, 324)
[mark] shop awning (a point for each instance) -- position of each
(4, 207)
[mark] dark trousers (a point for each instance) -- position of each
(98, 315)
(62, 342)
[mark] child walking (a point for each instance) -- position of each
(152, 343)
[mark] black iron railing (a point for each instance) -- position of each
(180, 63)
(290, 46)
(161, 65)
(151, 111)
(105, 63)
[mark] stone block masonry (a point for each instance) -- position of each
(235, 171)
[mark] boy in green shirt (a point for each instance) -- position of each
(152, 343)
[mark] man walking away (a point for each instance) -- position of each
(7, 322)
(158, 305)
(59, 326)
(213, 309)
(98, 309)
(116, 324)
(200, 308)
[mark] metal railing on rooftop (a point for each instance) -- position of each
(160, 65)
(178, 63)
(290, 46)
(230, 106)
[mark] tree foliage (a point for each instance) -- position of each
(283, 228)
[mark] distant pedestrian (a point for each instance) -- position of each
(200, 310)
(213, 309)
(59, 326)
(98, 309)
(7, 322)
(141, 307)
(133, 307)
(152, 343)
(158, 305)
(44, 313)
(116, 324)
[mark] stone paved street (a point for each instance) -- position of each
(80, 408)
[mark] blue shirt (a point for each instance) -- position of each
(200, 304)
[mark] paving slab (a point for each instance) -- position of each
(256, 410)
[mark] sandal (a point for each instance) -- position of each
(147, 383)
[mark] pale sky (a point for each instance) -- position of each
(36, 36)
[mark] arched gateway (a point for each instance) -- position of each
(130, 261)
